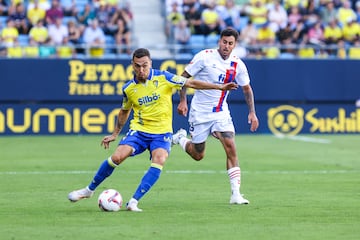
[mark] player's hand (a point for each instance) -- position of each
(253, 120)
(228, 86)
(182, 108)
(107, 140)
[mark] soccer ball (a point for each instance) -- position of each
(110, 200)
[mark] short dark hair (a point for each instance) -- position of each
(141, 52)
(229, 31)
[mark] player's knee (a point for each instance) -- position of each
(116, 159)
(198, 151)
(198, 156)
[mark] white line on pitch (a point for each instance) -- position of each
(304, 139)
(186, 172)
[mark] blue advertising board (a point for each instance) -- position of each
(18, 119)
(78, 96)
(102, 80)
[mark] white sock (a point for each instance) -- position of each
(235, 179)
(182, 142)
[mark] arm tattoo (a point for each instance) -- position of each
(183, 94)
(183, 90)
(249, 98)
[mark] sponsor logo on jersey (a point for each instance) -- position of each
(149, 100)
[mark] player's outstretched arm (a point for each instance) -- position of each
(205, 85)
(122, 118)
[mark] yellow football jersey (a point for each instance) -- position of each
(152, 101)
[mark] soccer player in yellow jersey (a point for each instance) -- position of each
(149, 95)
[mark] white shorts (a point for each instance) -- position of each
(200, 132)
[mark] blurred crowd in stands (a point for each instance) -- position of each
(268, 28)
(64, 28)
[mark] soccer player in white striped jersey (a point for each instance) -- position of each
(149, 96)
(209, 112)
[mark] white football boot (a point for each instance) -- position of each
(238, 199)
(77, 195)
(178, 135)
(132, 206)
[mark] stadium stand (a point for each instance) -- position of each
(306, 40)
(71, 15)
(2, 21)
(239, 14)
(23, 39)
(196, 43)
(211, 41)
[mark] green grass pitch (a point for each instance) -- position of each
(306, 187)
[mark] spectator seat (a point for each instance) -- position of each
(23, 39)
(211, 41)
(197, 43)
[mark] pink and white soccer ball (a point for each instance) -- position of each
(110, 200)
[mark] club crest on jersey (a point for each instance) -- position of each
(156, 83)
(231, 71)
(149, 100)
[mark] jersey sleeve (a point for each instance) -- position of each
(196, 64)
(126, 104)
(175, 80)
(242, 76)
